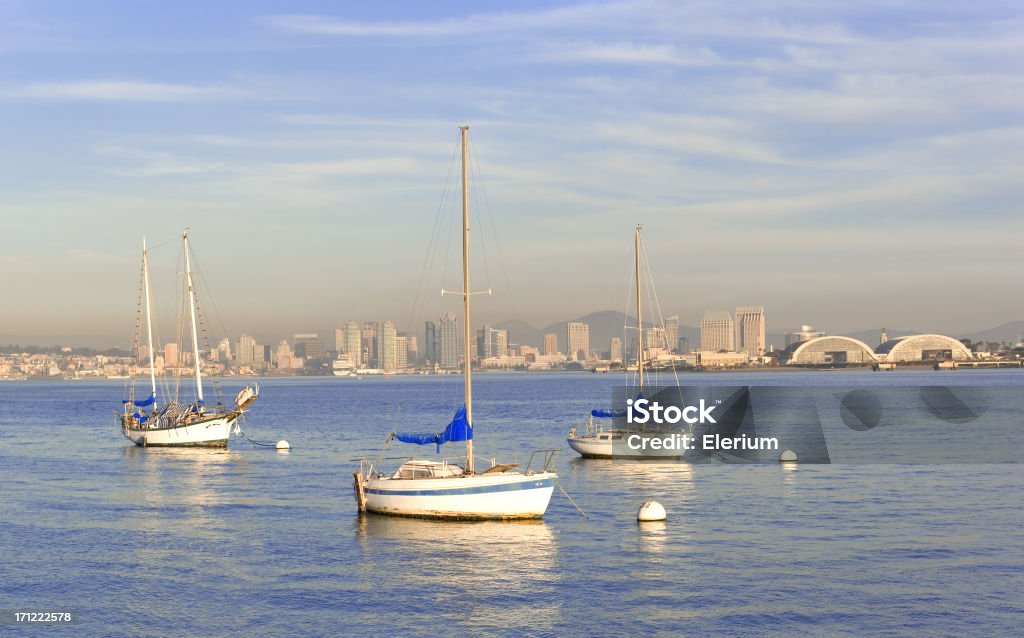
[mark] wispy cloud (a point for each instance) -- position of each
(121, 91)
(631, 53)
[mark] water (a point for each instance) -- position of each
(259, 543)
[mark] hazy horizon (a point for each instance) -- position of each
(843, 166)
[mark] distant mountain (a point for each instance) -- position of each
(96, 342)
(1010, 332)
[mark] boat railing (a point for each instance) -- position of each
(548, 459)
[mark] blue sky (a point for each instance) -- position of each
(848, 165)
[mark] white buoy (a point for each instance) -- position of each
(282, 445)
(787, 456)
(651, 511)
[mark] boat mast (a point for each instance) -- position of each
(149, 322)
(192, 308)
(465, 293)
(639, 320)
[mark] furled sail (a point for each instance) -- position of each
(150, 401)
(458, 430)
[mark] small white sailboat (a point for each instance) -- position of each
(438, 489)
(596, 442)
(147, 423)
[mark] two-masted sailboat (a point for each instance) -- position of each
(438, 489)
(147, 422)
(597, 442)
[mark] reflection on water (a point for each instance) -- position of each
(499, 565)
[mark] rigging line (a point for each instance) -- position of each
(494, 233)
(432, 246)
(241, 417)
(661, 317)
(578, 508)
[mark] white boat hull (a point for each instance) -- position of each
(209, 433)
(508, 495)
(592, 447)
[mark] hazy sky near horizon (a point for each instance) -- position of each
(847, 165)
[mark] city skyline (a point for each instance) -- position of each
(845, 166)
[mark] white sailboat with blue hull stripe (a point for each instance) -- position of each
(438, 489)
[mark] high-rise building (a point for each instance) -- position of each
(309, 346)
(750, 330)
(412, 350)
(684, 345)
(551, 343)
(615, 349)
(579, 341)
(500, 343)
(353, 342)
(401, 352)
(246, 350)
(448, 346)
(224, 347)
(284, 355)
(388, 356)
(654, 337)
(672, 332)
(171, 354)
(371, 344)
(717, 331)
(431, 343)
(805, 333)
(339, 340)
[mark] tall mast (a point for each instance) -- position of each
(192, 308)
(639, 319)
(149, 322)
(465, 292)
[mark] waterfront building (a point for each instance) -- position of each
(388, 357)
(224, 347)
(309, 346)
(353, 342)
(412, 350)
(578, 339)
(550, 343)
(371, 344)
(431, 342)
(671, 332)
(171, 354)
(246, 350)
(684, 345)
(615, 349)
(825, 350)
(805, 333)
(448, 348)
(401, 352)
(717, 331)
(922, 348)
(284, 356)
(750, 330)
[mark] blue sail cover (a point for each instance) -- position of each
(458, 430)
(608, 414)
(150, 401)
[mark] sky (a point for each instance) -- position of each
(846, 165)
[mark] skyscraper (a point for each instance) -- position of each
(388, 356)
(412, 350)
(353, 342)
(284, 355)
(309, 346)
(171, 354)
(579, 341)
(717, 331)
(615, 349)
(402, 352)
(750, 330)
(430, 343)
(551, 343)
(672, 332)
(246, 350)
(448, 347)
(371, 344)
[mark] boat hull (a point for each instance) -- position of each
(591, 447)
(501, 496)
(208, 433)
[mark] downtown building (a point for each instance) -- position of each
(750, 330)
(717, 331)
(448, 342)
(578, 340)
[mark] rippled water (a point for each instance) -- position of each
(254, 542)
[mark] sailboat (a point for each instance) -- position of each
(596, 442)
(148, 423)
(427, 488)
